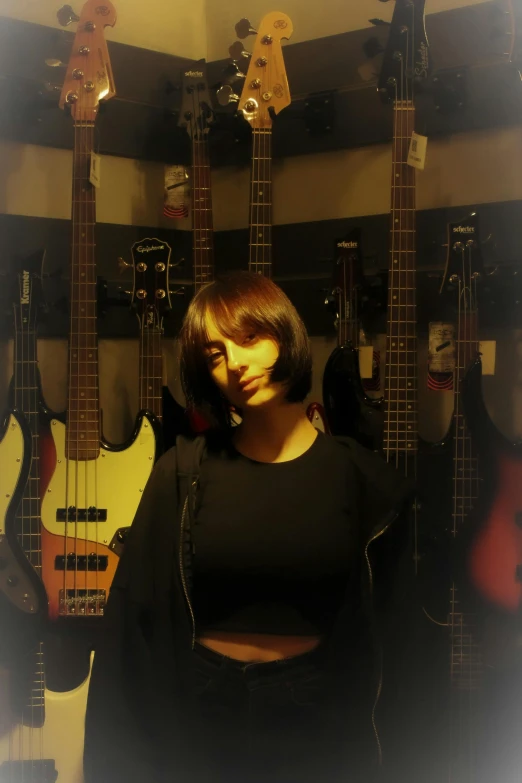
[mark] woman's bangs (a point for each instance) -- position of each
(234, 318)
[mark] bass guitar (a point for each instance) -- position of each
(45, 738)
(349, 410)
(458, 462)
(95, 489)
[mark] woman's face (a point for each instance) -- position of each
(240, 367)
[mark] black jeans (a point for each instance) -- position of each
(270, 722)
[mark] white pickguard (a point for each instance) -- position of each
(11, 462)
(61, 738)
(114, 481)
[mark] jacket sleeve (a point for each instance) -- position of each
(119, 727)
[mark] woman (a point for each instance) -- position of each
(236, 632)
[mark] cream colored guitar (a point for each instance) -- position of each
(47, 744)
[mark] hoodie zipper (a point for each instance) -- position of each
(182, 570)
(379, 684)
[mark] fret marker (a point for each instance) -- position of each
(260, 235)
(89, 355)
(395, 261)
(409, 407)
(82, 416)
(395, 296)
(82, 394)
(396, 220)
(409, 426)
(82, 435)
(409, 383)
(260, 192)
(397, 175)
(82, 274)
(401, 344)
(393, 345)
(75, 355)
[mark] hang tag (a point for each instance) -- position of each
(488, 350)
(417, 151)
(366, 361)
(94, 174)
(441, 356)
(177, 191)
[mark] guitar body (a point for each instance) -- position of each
(16, 582)
(113, 484)
(38, 753)
(349, 411)
(495, 555)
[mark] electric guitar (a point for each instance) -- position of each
(95, 489)
(465, 670)
(349, 410)
(45, 738)
(399, 714)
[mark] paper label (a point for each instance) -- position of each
(417, 151)
(441, 356)
(366, 361)
(488, 350)
(176, 192)
(94, 174)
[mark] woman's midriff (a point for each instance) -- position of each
(257, 647)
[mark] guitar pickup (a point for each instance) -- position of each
(73, 514)
(72, 562)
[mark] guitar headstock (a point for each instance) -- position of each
(266, 90)
(28, 293)
(89, 78)
(406, 57)
(150, 294)
(196, 113)
(347, 274)
(464, 266)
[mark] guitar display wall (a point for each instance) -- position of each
(331, 173)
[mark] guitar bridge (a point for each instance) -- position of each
(81, 603)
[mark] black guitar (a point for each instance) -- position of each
(349, 410)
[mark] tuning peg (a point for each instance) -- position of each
(238, 52)
(50, 87)
(372, 47)
(232, 73)
(226, 95)
(66, 15)
(122, 264)
(52, 62)
(244, 29)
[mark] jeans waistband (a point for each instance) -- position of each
(312, 657)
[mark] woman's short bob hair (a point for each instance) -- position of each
(237, 302)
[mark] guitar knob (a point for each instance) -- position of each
(244, 29)
(226, 95)
(66, 15)
(122, 264)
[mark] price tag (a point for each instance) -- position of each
(488, 350)
(176, 192)
(94, 174)
(366, 361)
(417, 151)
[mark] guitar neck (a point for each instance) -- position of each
(83, 421)
(202, 224)
(26, 396)
(401, 428)
(260, 260)
(151, 370)
(465, 460)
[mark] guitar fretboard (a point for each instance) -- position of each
(151, 366)
(401, 428)
(83, 425)
(260, 260)
(202, 224)
(465, 459)
(26, 395)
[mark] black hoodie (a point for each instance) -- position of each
(135, 724)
